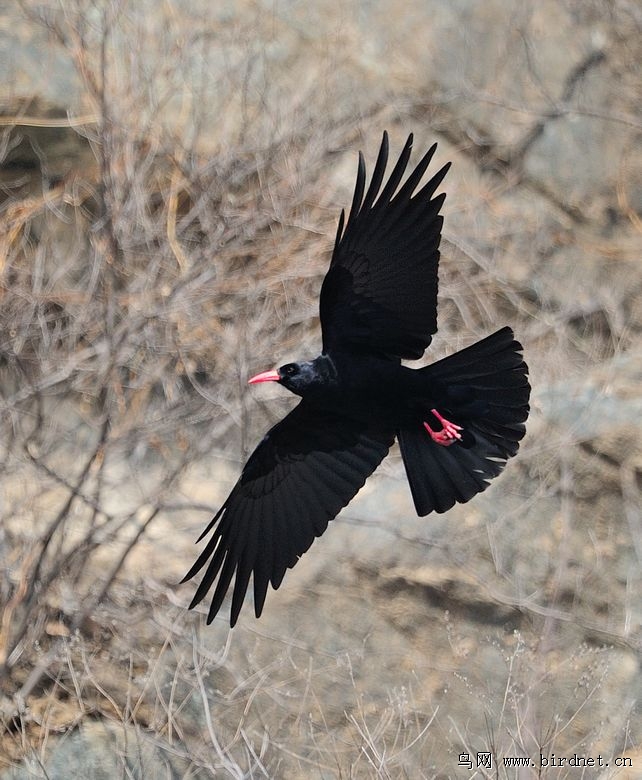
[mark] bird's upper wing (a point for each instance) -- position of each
(380, 292)
(304, 471)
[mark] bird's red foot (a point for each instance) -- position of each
(449, 433)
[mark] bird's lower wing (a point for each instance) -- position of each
(304, 471)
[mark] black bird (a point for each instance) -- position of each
(457, 421)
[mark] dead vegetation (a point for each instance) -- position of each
(146, 268)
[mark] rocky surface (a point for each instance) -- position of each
(510, 625)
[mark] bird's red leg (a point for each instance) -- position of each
(449, 433)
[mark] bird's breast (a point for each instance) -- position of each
(365, 387)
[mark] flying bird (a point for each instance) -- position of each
(457, 421)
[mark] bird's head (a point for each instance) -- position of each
(298, 378)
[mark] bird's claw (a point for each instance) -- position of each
(449, 433)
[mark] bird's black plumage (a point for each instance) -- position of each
(380, 293)
(457, 421)
(306, 469)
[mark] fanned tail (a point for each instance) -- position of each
(488, 392)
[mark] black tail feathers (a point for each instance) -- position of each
(488, 393)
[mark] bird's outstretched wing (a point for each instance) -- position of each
(380, 292)
(304, 471)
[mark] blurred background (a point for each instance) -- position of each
(171, 175)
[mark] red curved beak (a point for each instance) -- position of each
(266, 376)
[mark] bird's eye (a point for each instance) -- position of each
(291, 369)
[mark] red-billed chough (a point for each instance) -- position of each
(457, 421)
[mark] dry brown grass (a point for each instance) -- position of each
(139, 286)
